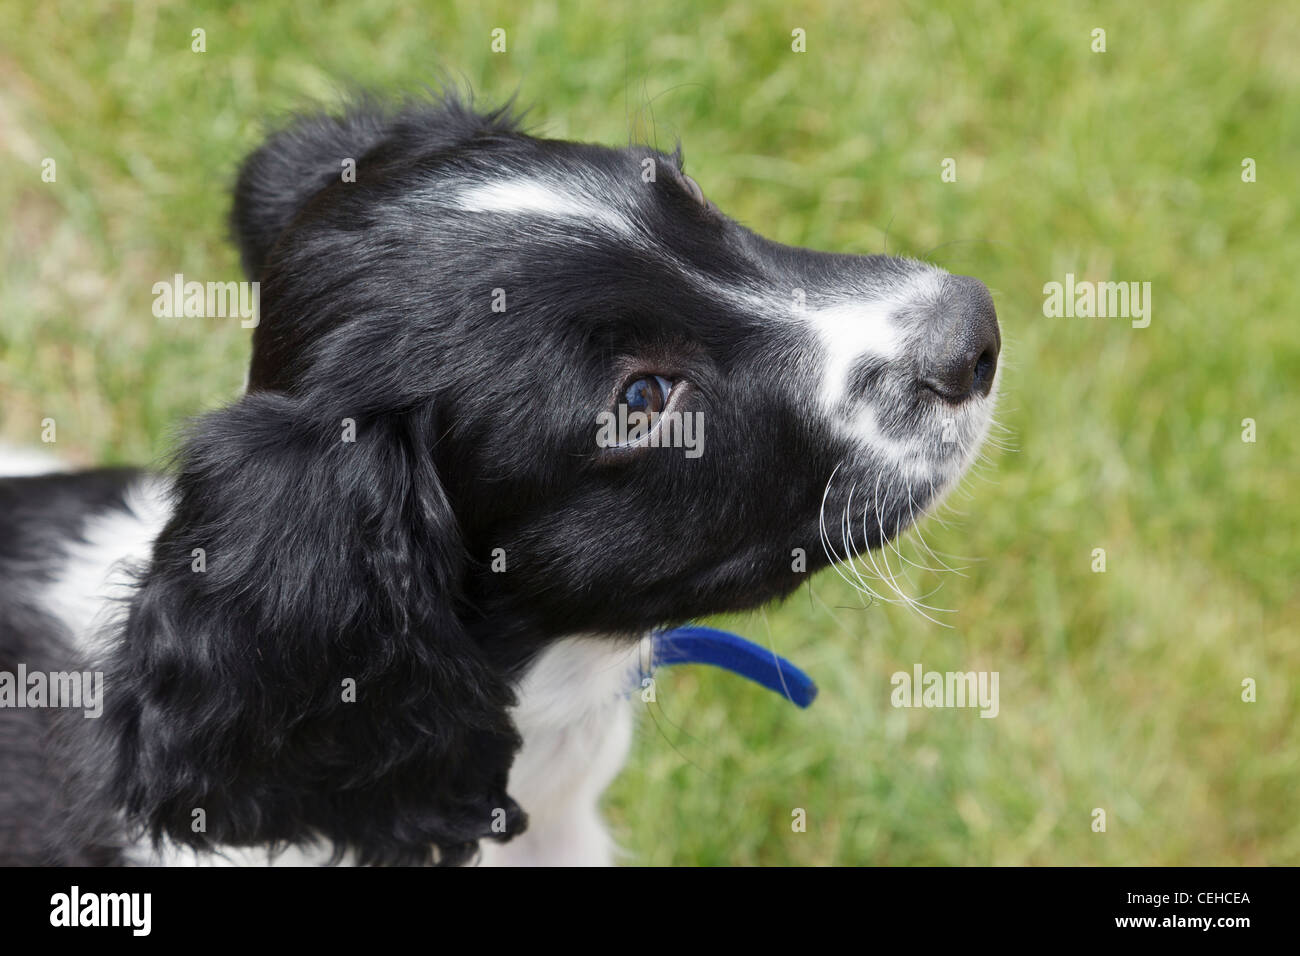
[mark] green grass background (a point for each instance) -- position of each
(1119, 691)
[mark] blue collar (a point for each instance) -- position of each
(706, 645)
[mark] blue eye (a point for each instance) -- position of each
(648, 395)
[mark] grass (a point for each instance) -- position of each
(1119, 690)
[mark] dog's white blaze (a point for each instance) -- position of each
(528, 197)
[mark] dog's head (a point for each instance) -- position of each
(505, 389)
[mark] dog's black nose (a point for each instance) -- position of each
(961, 352)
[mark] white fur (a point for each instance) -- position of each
(88, 594)
(538, 198)
(576, 723)
(879, 323)
(16, 462)
(848, 332)
(871, 322)
(906, 457)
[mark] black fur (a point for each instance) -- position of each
(231, 681)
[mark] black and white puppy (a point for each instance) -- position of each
(389, 605)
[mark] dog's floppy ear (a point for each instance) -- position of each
(293, 665)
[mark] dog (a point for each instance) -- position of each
(388, 606)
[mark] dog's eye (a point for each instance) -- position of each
(648, 394)
(694, 189)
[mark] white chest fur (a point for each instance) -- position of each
(577, 724)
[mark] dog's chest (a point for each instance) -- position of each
(576, 723)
